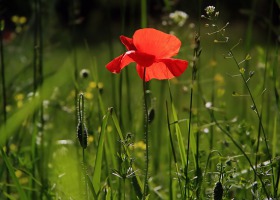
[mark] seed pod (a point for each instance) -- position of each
(82, 134)
(218, 191)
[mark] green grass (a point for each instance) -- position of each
(224, 135)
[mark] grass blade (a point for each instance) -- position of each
(91, 188)
(99, 154)
(178, 131)
(21, 192)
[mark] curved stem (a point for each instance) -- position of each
(255, 108)
(227, 133)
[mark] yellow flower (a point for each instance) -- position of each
(22, 20)
(109, 129)
(100, 85)
(18, 173)
(15, 19)
(19, 97)
(13, 148)
(220, 92)
(90, 139)
(8, 108)
(23, 180)
(140, 145)
(213, 63)
(19, 104)
(92, 85)
(219, 79)
(88, 95)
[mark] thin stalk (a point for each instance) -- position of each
(4, 95)
(248, 44)
(196, 54)
(173, 153)
(146, 135)
(255, 108)
(228, 134)
(262, 99)
(188, 143)
(120, 92)
(85, 174)
(3, 81)
(277, 178)
(83, 140)
(124, 188)
(144, 20)
(41, 108)
(36, 83)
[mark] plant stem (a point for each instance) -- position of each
(174, 155)
(188, 143)
(227, 133)
(3, 82)
(255, 108)
(146, 135)
(143, 13)
(262, 99)
(196, 54)
(4, 97)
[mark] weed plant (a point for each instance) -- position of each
(72, 130)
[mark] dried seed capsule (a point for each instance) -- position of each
(218, 191)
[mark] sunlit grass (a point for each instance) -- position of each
(113, 163)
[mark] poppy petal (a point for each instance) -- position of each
(128, 43)
(164, 69)
(142, 59)
(175, 66)
(116, 65)
(157, 43)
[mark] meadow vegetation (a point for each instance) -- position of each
(70, 129)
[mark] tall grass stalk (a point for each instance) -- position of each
(3, 81)
(4, 94)
(248, 44)
(197, 51)
(238, 146)
(82, 136)
(174, 157)
(120, 93)
(245, 81)
(277, 116)
(196, 55)
(37, 83)
(255, 108)
(262, 97)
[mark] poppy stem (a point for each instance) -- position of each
(146, 134)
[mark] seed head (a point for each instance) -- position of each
(218, 191)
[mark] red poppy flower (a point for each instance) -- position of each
(152, 49)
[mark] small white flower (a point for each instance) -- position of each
(206, 130)
(208, 105)
(179, 17)
(210, 10)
